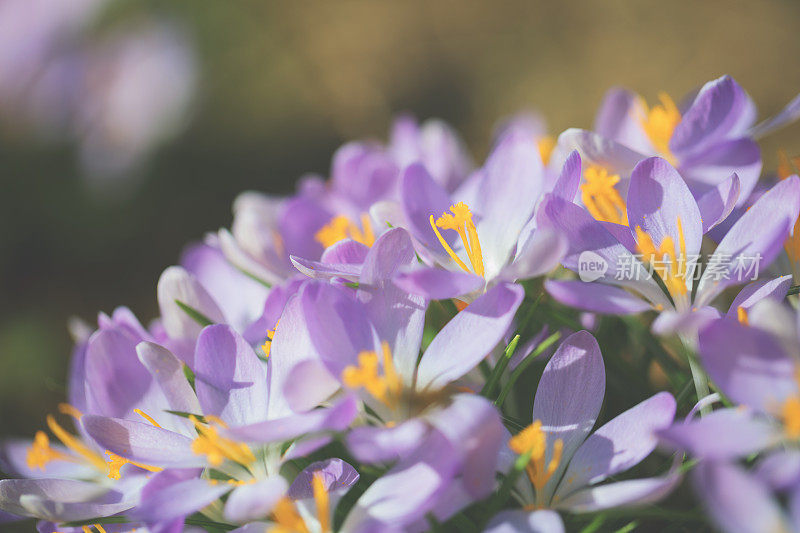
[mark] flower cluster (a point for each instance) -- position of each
(363, 355)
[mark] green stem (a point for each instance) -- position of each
(545, 344)
(501, 366)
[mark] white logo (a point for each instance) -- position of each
(591, 266)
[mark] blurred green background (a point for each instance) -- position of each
(282, 84)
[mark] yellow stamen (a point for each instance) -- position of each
(322, 500)
(147, 417)
(67, 409)
(659, 123)
(218, 448)
(601, 198)
(40, 453)
(267, 346)
(88, 529)
(671, 266)
(533, 440)
(460, 220)
(340, 227)
(116, 462)
(790, 414)
(287, 518)
(741, 316)
(546, 145)
(74, 444)
(385, 388)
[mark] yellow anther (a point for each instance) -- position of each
(601, 198)
(546, 145)
(741, 316)
(671, 265)
(69, 410)
(460, 220)
(147, 417)
(267, 346)
(340, 227)
(40, 453)
(386, 388)
(790, 414)
(217, 448)
(322, 501)
(116, 462)
(75, 444)
(98, 527)
(287, 519)
(659, 123)
(533, 441)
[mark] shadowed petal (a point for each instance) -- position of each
(177, 285)
(716, 204)
(60, 500)
(437, 283)
(251, 502)
(519, 521)
(596, 297)
(621, 493)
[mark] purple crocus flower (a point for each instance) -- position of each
(664, 230)
(472, 244)
(709, 137)
(566, 461)
(755, 364)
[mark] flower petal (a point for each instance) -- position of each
(596, 297)
(177, 285)
(716, 204)
(621, 494)
(437, 283)
(520, 521)
(254, 501)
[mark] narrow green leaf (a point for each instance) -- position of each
(194, 314)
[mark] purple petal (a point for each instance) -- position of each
(687, 322)
(757, 237)
(231, 382)
(307, 385)
(60, 500)
(168, 373)
(370, 444)
(326, 271)
(737, 502)
(657, 198)
(718, 203)
(570, 394)
(711, 167)
(437, 283)
(422, 197)
(722, 434)
(747, 364)
(620, 494)
(540, 253)
(599, 150)
(13, 460)
(177, 500)
(471, 334)
(339, 476)
(787, 115)
(619, 118)
(520, 521)
(177, 285)
(596, 297)
(251, 502)
(566, 187)
(752, 293)
(142, 442)
(345, 252)
(619, 444)
(780, 469)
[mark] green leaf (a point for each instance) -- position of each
(182, 414)
(189, 373)
(194, 314)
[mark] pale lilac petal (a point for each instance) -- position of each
(747, 364)
(687, 322)
(722, 434)
(345, 252)
(142, 442)
(596, 297)
(230, 380)
(397, 316)
(567, 410)
(422, 197)
(307, 385)
(619, 444)
(326, 271)
(513, 183)
(737, 502)
(780, 469)
(335, 418)
(566, 187)
(13, 460)
(520, 521)
(177, 500)
(371, 444)
(471, 334)
(177, 285)
(716, 204)
(659, 200)
(620, 494)
(713, 166)
(596, 149)
(787, 115)
(539, 254)
(620, 118)
(337, 475)
(437, 283)
(761, 231)
(60, 500)
(752, 293)
(254, 501)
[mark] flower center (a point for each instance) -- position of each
(218, 448)
(267, 346)
(601, 198)
(340, 227)
(741, 316)
(659, 122)
(322, 501)
(533, 441)
(671, 266)
(459, 219)
(116, 462)
(546, 144)
(40, 453)
(288, 520)
(385, 388)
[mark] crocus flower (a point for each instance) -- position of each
(756, 366)
(474, 244)
(707, 138)
(567, 462)
(664, 230)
